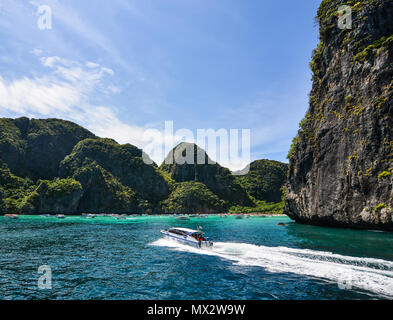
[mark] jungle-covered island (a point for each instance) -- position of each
(56, 166)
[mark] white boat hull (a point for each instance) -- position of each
(188, 240)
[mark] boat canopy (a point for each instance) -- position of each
(184, 231)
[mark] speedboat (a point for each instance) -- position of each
(12, 216)
(187, 236)
(60, 216)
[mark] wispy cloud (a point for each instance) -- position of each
(67, 92)
(38, 95)
(57, 93)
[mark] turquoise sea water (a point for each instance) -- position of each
(253, 258)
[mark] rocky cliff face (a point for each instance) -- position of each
(123, 161)
(341, 162)
(199, 168)
(34, 148)
(114, 177)
(59, 196)
(193, 197)
(2, 204)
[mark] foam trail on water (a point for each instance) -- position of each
(369, 274)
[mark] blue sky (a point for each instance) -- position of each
(118, 67)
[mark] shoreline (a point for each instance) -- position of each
(203, 215)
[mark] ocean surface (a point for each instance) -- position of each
(252, 258)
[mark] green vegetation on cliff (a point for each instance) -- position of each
(2, 203)
(120, 168)
(264, 180)
(182, 165)
(193, 197)
(103, 192)
(34, 148)
(23, 196)
(383, 42)
(14, 188)
(56, 166)
(259, 190)
(56, 196)
(260, 207)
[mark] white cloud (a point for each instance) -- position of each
(65, 88)
(92, 64)
(66, 92)
(37, 95)
(114, 89)
(61, 92)
(37, 52)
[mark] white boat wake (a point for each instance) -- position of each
(369, 274)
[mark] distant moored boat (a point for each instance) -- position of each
(12, 216)
(183, 218)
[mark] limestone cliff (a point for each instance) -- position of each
(193, 197)
(200, 168)
(34, 148)
(2, 204)
(113, 176)
(341, 162)
(58, 196)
